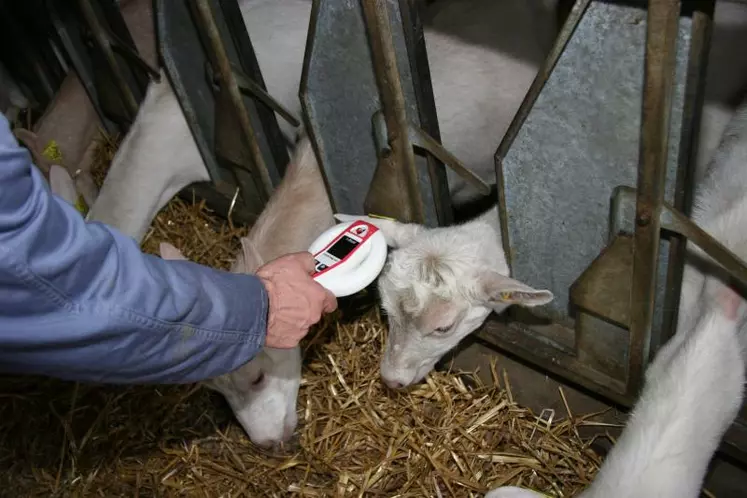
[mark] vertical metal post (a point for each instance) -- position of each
(411, 12)
(661, 44)
(394, 189)
(700, 44)
(219, 57)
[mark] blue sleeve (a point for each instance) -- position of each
(80, 301)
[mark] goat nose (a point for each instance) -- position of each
(392, 384)
(266, 443)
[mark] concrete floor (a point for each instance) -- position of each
(538, 391)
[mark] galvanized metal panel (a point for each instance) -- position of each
(579, 142)
(340, 97)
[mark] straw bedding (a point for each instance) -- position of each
(450, 436)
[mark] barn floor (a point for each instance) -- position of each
(537, 391)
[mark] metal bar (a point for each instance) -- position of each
(400, 164)
(247, 84)
(303, 93)
(131, 54)
(412, 12)
(102, 40)
(421, 139)
(228, 84)
(700, 42)
(574, 18)
(549, 357)
(675, 221)
(661, 44)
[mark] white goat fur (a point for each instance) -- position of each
(720, 208)
(693, 392)
(157, 158)
(263, 392)
(12, 98)
(694, 387)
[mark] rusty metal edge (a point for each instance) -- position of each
(217, 53)
(170, 69)
(539, 82)
(303, 95)
(701, 12)
(388, 81)
(662, 26)
(411, 13)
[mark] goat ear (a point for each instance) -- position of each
(249, 259)
(85, 185)
(62, 184)
(168, 251)
(501, 291)
(395, 233)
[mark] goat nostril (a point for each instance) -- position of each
(259, 379)
(265, 444)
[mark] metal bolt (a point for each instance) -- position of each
(644, 219)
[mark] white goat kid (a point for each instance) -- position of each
(438, 286)
(693, 392)
(263, 393)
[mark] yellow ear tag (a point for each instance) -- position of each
(381, 217)
(81, 205)
(506, 296)
(52, 151)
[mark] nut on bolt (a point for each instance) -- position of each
(644, 219)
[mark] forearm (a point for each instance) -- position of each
(81, 301)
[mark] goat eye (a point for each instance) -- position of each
(259, 379)
(442, 330)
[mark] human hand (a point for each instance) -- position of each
(296, 300)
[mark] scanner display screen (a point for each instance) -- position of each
(342, 247)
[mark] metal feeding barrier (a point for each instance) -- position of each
(367, 125)
(594, 174)
(209, 60)
(602, 222)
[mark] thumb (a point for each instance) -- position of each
(306, 260)
(330, 302)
